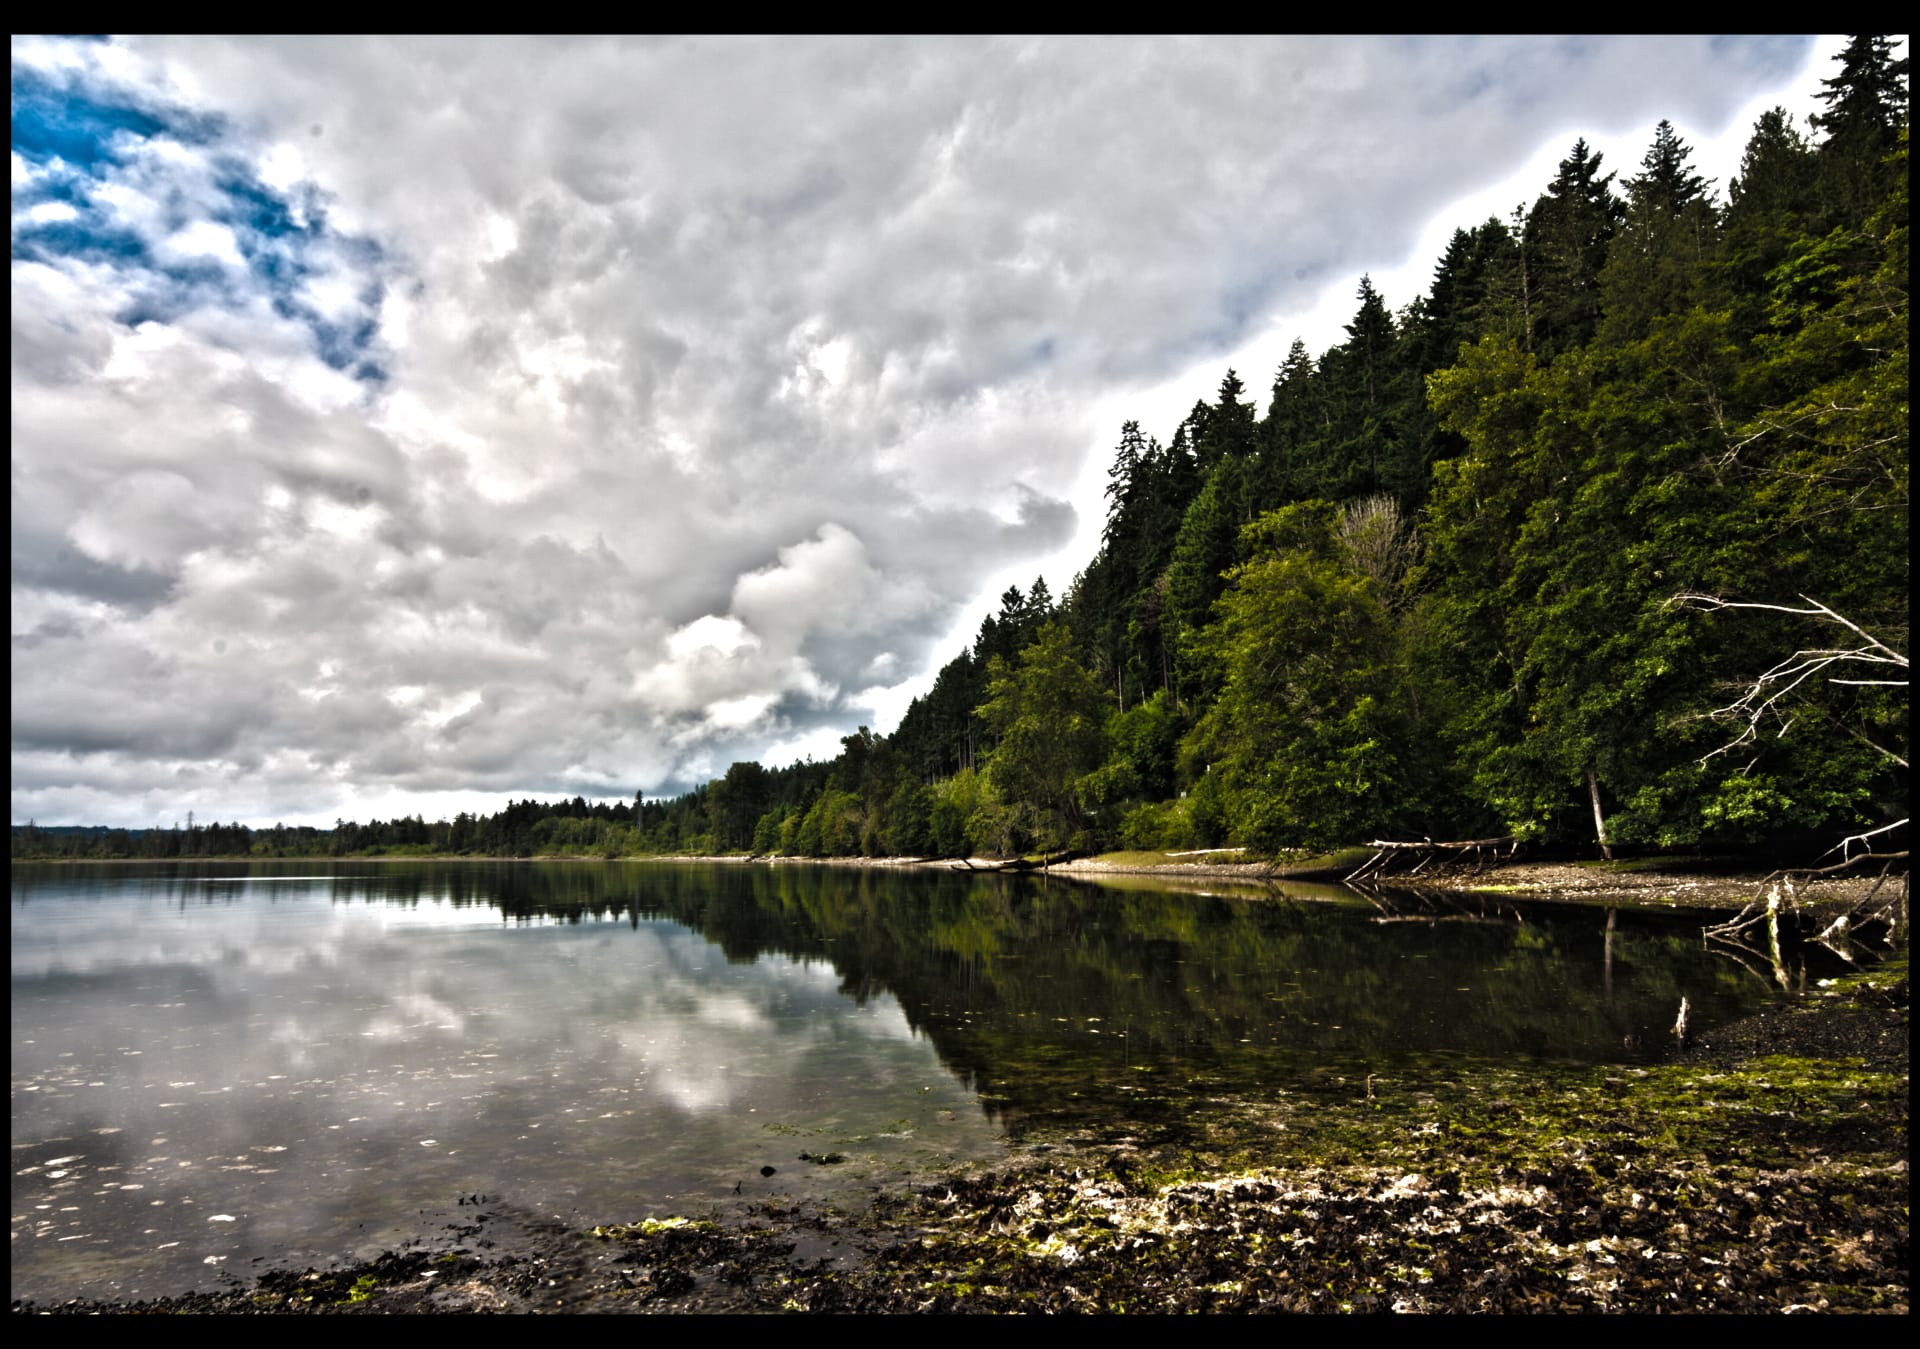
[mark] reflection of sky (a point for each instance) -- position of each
(158, 921)
(293, 1064)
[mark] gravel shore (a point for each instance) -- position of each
(1713, 886)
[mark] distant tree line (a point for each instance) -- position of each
(1431, 590)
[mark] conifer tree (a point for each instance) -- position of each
(1292, 437)
(1228, 428)
(1866, 105)
(1776, 173)
(1569, 231)
(1771, 207)
(1657, 260)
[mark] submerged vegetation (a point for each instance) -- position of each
(1776, 1185)
(1731, 1181)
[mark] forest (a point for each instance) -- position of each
(1601, 541)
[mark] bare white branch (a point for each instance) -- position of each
(1875, 746)
(1845, 846)
(1759, 700)
(1818, 610)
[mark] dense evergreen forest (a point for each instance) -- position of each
(1481, 568)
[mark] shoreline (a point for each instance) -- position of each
(1717, 884)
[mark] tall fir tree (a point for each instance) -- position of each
(1771, 207)
(1866, 105)
(1658, 260)
(1569, 230)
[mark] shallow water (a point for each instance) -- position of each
(219, 1064)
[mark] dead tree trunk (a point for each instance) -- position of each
(1599, 820)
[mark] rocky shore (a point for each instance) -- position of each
(1726, 884)
(1660, 882)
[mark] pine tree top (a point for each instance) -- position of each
(1869, 95)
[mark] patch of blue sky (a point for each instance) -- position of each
(83, 149)
(54, 181)
(344, 346)
(50, 121)
(85, 237)
(91, 128)
(168, 294)
(261, 209)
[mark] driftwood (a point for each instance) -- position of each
(1484, 851)
(1429, 919)
(1782, 893)
(1763, 696)
(1781, 890)
(1040, 863)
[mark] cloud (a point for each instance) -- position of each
(402, 419)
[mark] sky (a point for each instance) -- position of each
(403, 426)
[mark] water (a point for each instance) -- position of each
(220, 1064)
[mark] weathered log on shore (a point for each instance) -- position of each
(1040, 863)
(1484, 851)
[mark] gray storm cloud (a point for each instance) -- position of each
(701, 383)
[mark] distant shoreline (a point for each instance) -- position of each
(1665, 885)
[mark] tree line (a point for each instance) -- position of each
(1434, 588)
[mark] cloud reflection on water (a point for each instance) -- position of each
(305, 1066)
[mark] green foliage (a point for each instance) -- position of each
(833, 827)
(767, 831)
(1166, 826)
(1863, 124)
(735, 805)
(909, 830)
(1661, 259)
(1302, 736)
(1048, 717)
(1145, 741)
(1756, 450)
(1204, 550)
(1568, 234)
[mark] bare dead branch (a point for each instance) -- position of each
(1873, 746)
(1819, 610)
(1759, 701)
(1760, 698)
(1845, 846)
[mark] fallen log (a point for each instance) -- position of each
(1041, 863)
(1426, 849)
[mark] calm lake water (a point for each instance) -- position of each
(221, 1063)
